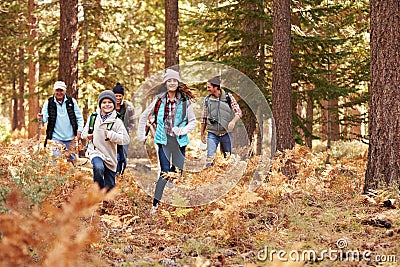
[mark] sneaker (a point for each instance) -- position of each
(153, 210)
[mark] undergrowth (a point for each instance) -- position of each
(319, 206)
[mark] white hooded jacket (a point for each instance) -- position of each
(99, 147)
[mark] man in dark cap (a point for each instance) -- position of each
(220, 114)
(127, 114)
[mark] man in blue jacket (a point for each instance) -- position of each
(64, 119)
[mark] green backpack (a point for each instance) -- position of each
(120, 150)
(92, 120)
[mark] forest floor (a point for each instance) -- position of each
(51, 216)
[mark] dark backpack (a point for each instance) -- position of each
(227, 97)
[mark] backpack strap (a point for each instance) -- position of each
(184, 111)
(206, 100)
(110, 125)
(156, 109)
(92, 120)
(228, 99)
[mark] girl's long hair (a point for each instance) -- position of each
(186, 91)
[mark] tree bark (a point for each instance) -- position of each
(171, 33)
(69, 39)
(14, 106)
(21, 90)
(281, 76)
(335, 127)
(250, 50)
(383, 168)
(33, 71)
(85, 110)
(309, 120)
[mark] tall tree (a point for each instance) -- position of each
(242, 36)
(249, 51)
(85, 73)
(384, 108)
(14, 108)
(281, 75)
(33, 69)
(69, 40)
(329, 65)
(21, 91)
(171, 33)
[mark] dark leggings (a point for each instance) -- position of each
(165, 153)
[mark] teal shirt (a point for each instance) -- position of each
(63, 129)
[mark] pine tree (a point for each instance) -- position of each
(383, 167)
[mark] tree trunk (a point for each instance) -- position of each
(85, 110)
(335, 127)
(281, 76)
(147, 62)
(33, 72)
(14, 107)
(21, 90)
(383, 166)
(171, 33)
(309, 120)
(69, 39)
(355, 128)
(324, 119)
(330, 128)
(250, 50)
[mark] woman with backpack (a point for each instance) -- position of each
(174, 119)
(105, 131)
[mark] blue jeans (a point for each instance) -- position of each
(103, 175)
(212, 143)
(165, 153)
(67, 145)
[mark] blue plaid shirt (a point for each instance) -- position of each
(103, 118)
